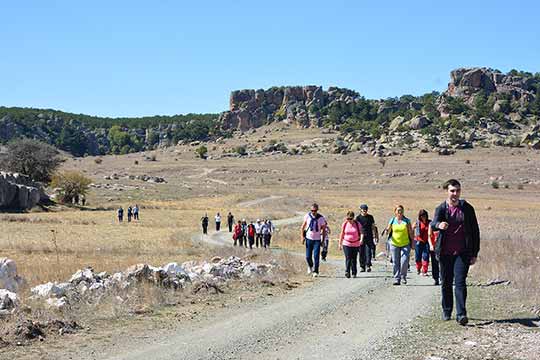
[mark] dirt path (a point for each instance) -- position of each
(259, 201)
(336, 318)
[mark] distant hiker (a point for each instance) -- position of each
(457, 247)
(120, 213)
(266, 230)
(350, 240)
(432, 237)
(237, 233)
(230, 221)
(129, 213)
(136, 212)
(251, 234)
(421, 238)
(204, 223)
(83, 200)
(400, 239)
(325, 241)
(218, 221)
(313, 225)
(258, 233)
(244, 240)
(370, 234)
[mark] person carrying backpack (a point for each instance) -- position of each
(243, 238)
(313, 225)
(120, 213)
(400, 239)
(237, 232)
(421, 238)
(251, 234)
(258, 233)
(204, 223)
(350, 240)
(457, 247)
(370, 232)
(230, 221)
(129, 213)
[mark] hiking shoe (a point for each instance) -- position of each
(309, 270)
(446, 317)
(369, 269)
(363, 270)
(396, 283)
(404, 281)
(354, 276)
(347, 275)
(437, 283)
(418, 272)
(462, 320)
(315, 274)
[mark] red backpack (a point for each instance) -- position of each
(251, 230)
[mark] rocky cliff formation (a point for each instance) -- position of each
(19, 192)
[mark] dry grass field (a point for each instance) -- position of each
(52, 245)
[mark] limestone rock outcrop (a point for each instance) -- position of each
(18, 192)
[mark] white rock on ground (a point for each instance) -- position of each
(9, 279)
(48, 290)
(8, 300)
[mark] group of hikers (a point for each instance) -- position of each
(451, 241)
(132, 213)
(244, 233)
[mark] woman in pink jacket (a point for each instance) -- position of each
(350, 239)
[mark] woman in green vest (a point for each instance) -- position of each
(400, 237)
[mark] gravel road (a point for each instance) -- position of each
(336, 318)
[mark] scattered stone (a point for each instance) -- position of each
(9, 279)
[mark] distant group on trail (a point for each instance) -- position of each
(131, 212)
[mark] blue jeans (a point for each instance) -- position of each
(454, 269)
(313, 250)
(400, 260)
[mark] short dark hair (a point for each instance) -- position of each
(451, 182)
(315, 206)
(421, 213)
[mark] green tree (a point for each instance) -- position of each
(202, 152)
(70, 185)
(33, 158)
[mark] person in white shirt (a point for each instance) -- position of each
(218, 221)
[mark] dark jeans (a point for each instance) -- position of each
(267, 238)
(351, 253)
(205, 229)
(454, 269)
(365, 255)
(251, 241)
(434, 266)
(218, 225)
(313, 250)
(259, 239)
(230, 226)
(135, 216)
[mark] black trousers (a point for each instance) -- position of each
(205, 229)
(259, 239)
(230, 226)
(365, 255)
(218, 225)
(267, 238)
(434, 266)
(351, 253)
(454, 270)
(251, 241)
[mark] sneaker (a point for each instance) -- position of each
(404, 281)
(354, 276)
(315, 274)
(347, 275)
(436, 283)
(462, 320)
(446, 317)
(418, 272)
(363, 270)
(309, 270)
(396, 283)
(369, 269)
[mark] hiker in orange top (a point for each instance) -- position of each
(421, 238)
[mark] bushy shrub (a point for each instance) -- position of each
(70, 185)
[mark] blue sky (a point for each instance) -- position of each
(135, 58)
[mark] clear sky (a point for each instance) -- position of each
(135, 58)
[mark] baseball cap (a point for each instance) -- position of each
(363, 207)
